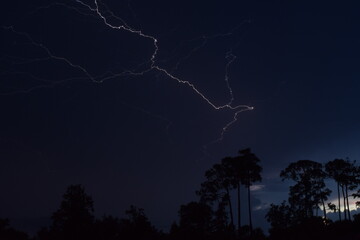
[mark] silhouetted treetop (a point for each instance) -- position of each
(9, 233)
(74, 219)
(309, 190)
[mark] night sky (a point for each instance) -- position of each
(71, 112)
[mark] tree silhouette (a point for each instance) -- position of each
(357, 195)
(9, 233)
(280, 217)
(208, 218)
(332, 207)
(217, 188)
(74, 218)
(332, 168)
(350, 181)
(251, 173)
(321, 193)
(137, 225)
(108, 228)
(345, 174)
(195, 220)
(309, 190)
(231, 174)
(236, 172)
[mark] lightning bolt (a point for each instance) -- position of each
(101, 11)
(237, 108)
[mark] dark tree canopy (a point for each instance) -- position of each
(279, 216)
(195, 218)
(137, 225)
(74, 218)
(309, 190)
(346, 174)
(208, 218)
(9, 233)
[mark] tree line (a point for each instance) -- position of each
(298, 217)
(213, 216)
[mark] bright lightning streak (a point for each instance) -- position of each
(237, 108)
(96, 11)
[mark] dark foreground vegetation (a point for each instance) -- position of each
(213, 217)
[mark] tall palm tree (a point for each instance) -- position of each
(252, 174)
(245, 170)
(345, 174)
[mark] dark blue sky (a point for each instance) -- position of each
(140, 139)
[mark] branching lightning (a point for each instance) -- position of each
(101, 11)
(238, 108)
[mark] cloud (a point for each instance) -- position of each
(257, 187)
